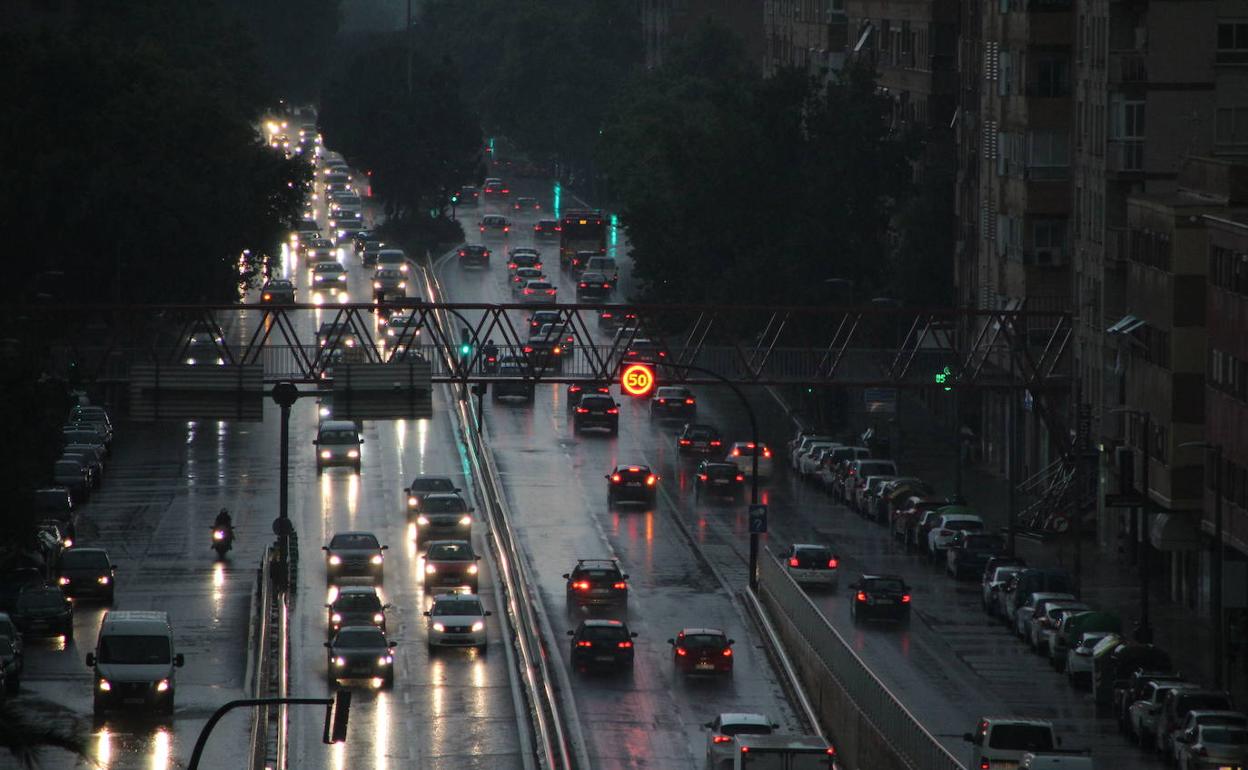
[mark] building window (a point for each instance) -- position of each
(1048, 238)
(1150, 248)
(1154, 345)
(1232, 43)
(1231, 128)
(1005, 83)
(1228, 374)
(1048, 154)
(1228, 269)
(1052, 76)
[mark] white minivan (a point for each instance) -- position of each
(1001, 742)
(134, 662)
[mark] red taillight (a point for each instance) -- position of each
(651, 479)
(613, 410)
(985, 765)
(684, 442)
(581, 585)
(528, 348)
(736, 452)
(606, 286)
(582, 285)
(832, 563)
(740, 477)
(537, 228)
(721, 739)
(905, 598)
(620, 586)
(582, 410)
(681, 651)
(727, 652)
(793, 562)
(702, 477)
(625, 645)
(662, 400)
(716, 442)
(584, 644)
(862, 596)
(615, 478)
(689, 401)
(550, 291)
(505, 191)
(506, 229)
(528, 291)
(512, 266)
(482, 228)
(766, 452)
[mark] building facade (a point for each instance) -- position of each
(803, 33)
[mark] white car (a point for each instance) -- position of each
(1079, 659)
(940, 535)
(868, 492)
(521, 278)
(1212, 746)
(808, 460)
(993, 585)
(1143, 714)
(456, 620)
(538, 291)
(741, 452)
(811, 564)
(722, 732)
(1045, 626)
(803, 445)
(1022, 616)
(393, 259)
(1198, 718)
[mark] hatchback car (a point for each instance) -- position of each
(596, 411)
(722, 732)
(673, 402)
(443, 513)
(329, 279)
(743, 452)
(388, 284)
(524, 203)
(86, 573)
(547, 228)
(521, 277)
(702, 651)
(538, 291)
(577, 391)
(592, 286)
(451, 564)
(494, 224)
(719, 480)
(356, 606)
(596, 583)
(354, 555)
(524, 257)
(880, 597)
(473, 255)
(632, 484)
(601, 643)
(456, 620)
(44, 611)
(361, 653)
(811, 564)
(277, 291)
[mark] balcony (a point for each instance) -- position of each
(1125, 156)
(1127, 68)
(1116, 244)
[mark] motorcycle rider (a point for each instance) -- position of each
(490, 351)
(223, 522)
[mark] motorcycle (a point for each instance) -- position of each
(489, 363)
(222, 540)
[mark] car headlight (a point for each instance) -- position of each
(335, 559)
(162, 685)
(335, 618)
(465, 521)
(385, 660)
(104, 685)
(479, 625)
(439, 627)
(376, 558)
(324, 411)
(412, 502)
(102, 580)
(190, 361)
(340, 661)
(69, 542)
(379, 618)
(353, 453)
(325, 454)
(402, 284)
(422, 521)
(430, 569)
(62, 581)
(472, 569)
(376, 284)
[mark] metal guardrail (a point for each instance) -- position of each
(556, 751)
(261, 683)
(894, 723)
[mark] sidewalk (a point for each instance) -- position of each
(1108, 578)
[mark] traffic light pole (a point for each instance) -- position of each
(335, 724)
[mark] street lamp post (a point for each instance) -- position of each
(1144, 629)
(1215, 568)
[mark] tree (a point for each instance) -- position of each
(418, 145)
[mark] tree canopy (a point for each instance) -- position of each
(739, 188)
(132, 160)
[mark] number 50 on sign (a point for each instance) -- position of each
(637, 379)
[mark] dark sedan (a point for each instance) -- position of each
(576, 391)
(44, 611)
(699, 439)
(602, 644)
(968, 552)
(673, 402)
(361, 652)
(451, 564)
(715, 479)
(445, 512)
(86, 573)
(632, 484)
(880, 597)
(597, 411)
(423, 486)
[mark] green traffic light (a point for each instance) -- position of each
(465, 349)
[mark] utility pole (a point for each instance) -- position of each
(285, 394)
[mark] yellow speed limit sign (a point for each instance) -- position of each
(637, 379)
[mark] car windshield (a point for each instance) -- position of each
(339, 437)
(354, 541)
(40, 600)
(449, 552)
(457, 607)
(361, 638)
(596, 574)
(604, 633)
(1224, 735)
(885, 584)
(72, 559)
(699, 641)
(745, 729)
(720, 469)
(597, 402)
(1021, 738)
(357, 603)
(814, 553)
(432, 485)
(444, 505)
(700, 433)
(133, 650)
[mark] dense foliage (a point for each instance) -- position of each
(132, 160)
(736, 188)
(541, 72)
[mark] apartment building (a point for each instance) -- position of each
(803, 33)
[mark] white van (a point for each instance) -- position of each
(134, 662)
(1001, 742)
